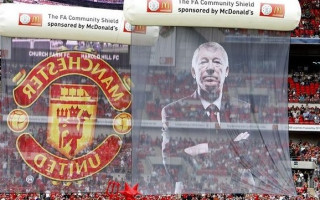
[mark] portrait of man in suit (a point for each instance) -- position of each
(213, 111)
(210, 68)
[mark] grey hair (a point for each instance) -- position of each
(210, 45)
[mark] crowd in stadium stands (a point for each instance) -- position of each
(303, 114)
(14, 172)
(309, 25)
(304, 95)
(305, 151)
(218, 162)
(15, 167)
(304, 87)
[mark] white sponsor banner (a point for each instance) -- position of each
(282, 15)
(303, 165)
(305, 128)
(71, 23)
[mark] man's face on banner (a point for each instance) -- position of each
(210, 70)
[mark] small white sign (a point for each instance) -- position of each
(29, 179)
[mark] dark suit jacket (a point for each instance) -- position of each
(220, 148)
(190, 109)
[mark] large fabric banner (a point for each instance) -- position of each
(210, 112)
(66, 116)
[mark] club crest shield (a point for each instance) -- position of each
(71, 151)
(72, 116)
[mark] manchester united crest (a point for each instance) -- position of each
(72, 115)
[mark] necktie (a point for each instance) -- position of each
(213, 110)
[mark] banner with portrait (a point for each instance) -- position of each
(213, 119)
(66, 116)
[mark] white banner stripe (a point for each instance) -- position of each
(279, 15)
(70, 23)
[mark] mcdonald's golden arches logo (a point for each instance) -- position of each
(28, 19)
(164, 6)
(272, 10)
